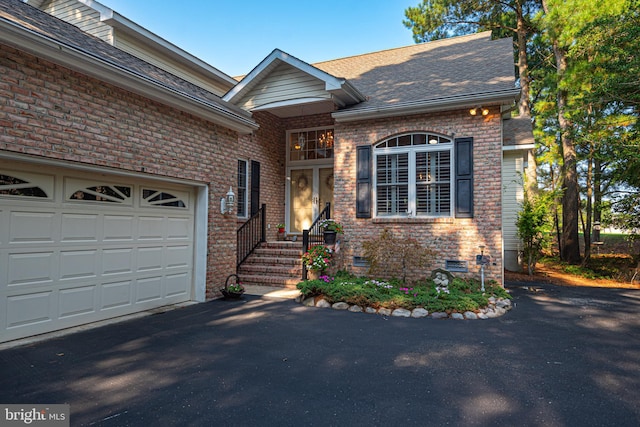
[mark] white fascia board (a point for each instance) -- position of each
(85, 63)
(34, 3)
(247, 82)
(332, 84)
(522, 147)
(427, 106)
(114, 19)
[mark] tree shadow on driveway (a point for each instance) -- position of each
(562, 356)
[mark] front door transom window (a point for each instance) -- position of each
(314, 144)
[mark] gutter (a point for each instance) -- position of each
(518, 147)
(116, 20)
(86, 63)
(427, 106)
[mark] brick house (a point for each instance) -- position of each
(111, 174)
(117, 147)
(418, 140)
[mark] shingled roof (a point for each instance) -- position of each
(458, 72)
(26, 27)
(518, 132)
(472, 67)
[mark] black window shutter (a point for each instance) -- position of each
(255, 186)
(363, 181)
(464, 177)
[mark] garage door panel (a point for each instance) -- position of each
(178, 228)
(32, 227)
(79, 227)
(34, 268)
(77, 301)
(150, 258)
(117, 261)
(178, 256)
(29, 309)
(116, 294)
(176, 284)
(149, 289)
(119, 227)
(80, 264)
(151, 228)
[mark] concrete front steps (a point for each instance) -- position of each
(276, 264)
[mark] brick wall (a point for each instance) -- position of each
(267, 145)
(449, 238)
(53, 112)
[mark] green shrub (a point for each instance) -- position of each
(390, 256)
(461, 295)
(534, 225)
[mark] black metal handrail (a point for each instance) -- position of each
(314, 235)
(251, 234)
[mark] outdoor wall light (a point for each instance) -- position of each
(227, 203)
(474, 111)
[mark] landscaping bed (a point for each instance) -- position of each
(442, 296)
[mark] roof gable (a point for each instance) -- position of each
(282, 80)
(284, 84)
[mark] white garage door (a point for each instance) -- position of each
(78, 247)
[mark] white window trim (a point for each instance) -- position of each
(412, 150)
(246, 189)
(290, 162)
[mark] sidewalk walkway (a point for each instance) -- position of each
(271, 291)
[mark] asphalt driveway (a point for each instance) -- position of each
(561, 357)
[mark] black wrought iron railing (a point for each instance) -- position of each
(251, 234)
(314, 235)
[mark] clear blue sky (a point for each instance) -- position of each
(235, 35)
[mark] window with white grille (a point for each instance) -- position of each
(413, 176)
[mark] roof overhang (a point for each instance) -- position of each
(428, 106)
(86, 63)
(122, 24)
(298, 107)
(342, 92)
(521, 147)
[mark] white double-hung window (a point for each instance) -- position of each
(414, 176)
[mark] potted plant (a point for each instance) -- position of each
(233, 290)
(280, 228)
(317, 259)
(331, 228)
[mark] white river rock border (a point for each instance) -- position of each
(496, 308)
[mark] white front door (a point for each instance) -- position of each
(310, 189)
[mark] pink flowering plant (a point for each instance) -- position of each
(317, 258)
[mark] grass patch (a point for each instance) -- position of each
(461, 295)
